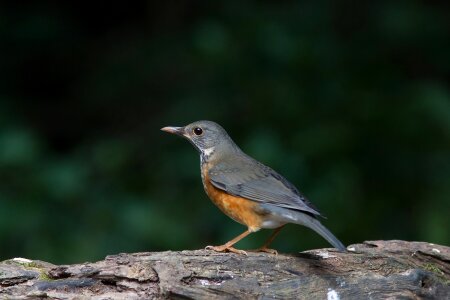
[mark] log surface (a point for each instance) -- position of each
(372, 270)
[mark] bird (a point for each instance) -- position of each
(246, 190)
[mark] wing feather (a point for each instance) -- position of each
(250, 179)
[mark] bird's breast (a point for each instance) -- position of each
(241, 210)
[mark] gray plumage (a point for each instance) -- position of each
(240, 175)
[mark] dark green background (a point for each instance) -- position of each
(347, 99)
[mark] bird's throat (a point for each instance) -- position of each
(207, 153)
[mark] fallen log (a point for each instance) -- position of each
(371, 270)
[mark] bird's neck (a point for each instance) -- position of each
(217, 152)
(207, 154)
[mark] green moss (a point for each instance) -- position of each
(439, 273)
(32, 265)
(27, 265)
(433, 268)
(44, 276)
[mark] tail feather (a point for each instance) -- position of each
(326, 234)
(304, 219)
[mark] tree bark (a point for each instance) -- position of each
(372, 270)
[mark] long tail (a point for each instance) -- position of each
(300, 218)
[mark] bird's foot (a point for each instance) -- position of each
(226, 248)
(265, 249)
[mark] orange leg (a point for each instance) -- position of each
(264, 248)
(228, 246)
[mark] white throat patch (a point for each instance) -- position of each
(207, 152)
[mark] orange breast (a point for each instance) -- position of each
(239, 209)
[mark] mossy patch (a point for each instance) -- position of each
(44, 276)
(438, 272)
(32, 264)
(35, 266)
(433, 268)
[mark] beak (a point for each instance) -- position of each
(175, 130)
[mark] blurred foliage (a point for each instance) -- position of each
(348, 100)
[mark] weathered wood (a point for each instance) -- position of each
(372, 270)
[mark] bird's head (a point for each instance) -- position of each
(206, 136)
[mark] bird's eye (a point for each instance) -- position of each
(198, 131)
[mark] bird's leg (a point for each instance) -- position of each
(228, 246)
(264, 248)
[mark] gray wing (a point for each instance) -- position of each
(250, 179)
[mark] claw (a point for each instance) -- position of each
(225, 248)
(267, 250)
